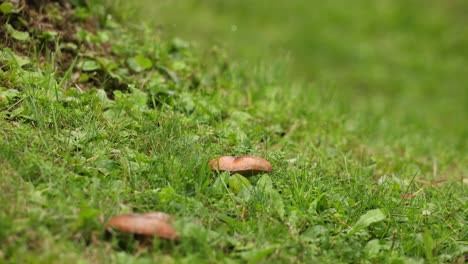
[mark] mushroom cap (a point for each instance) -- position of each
(160, 215)
(246, 165)
(149, 224)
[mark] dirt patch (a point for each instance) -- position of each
(49, 23)
(48, 31)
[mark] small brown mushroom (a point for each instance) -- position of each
(146, 225)
(247, 165)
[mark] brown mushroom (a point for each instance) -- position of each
(146, 225)
(247, 165)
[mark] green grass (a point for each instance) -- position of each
(355, 106)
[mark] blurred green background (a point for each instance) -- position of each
(404, 60)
